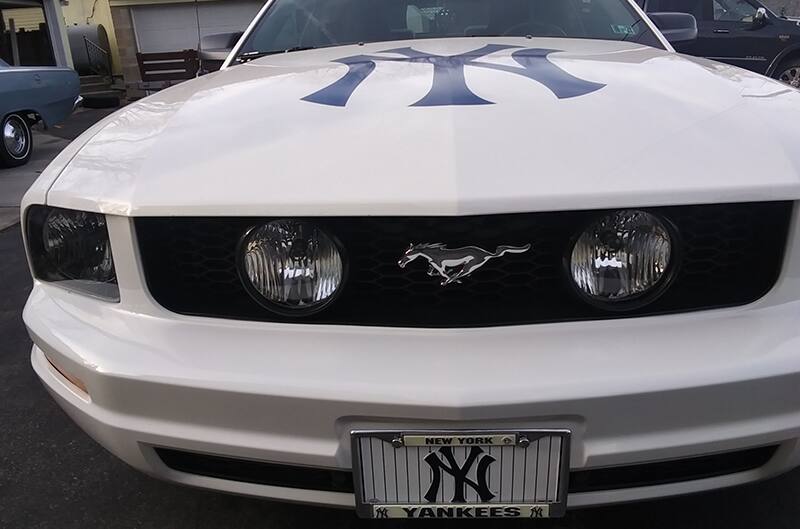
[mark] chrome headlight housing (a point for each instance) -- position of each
(291, 267)
(72, 248)
(623, 259)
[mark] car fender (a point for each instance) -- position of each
(787, 51)
(50, 93)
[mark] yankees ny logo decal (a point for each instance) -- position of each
(460, 473)
(449, 83)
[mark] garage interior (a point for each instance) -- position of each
(24, 36)
(171, 29)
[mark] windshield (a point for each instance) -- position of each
(292, 25)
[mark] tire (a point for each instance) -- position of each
(789, 72)
(16, 141)
(101, 101)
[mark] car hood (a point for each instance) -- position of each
(588, 124)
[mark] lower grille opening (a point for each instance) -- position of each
(258, 472)
(611, 478)
(672, 471)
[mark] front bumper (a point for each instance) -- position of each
(630, 390)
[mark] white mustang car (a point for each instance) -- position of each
(434, 258)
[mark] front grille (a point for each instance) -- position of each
(670, 471)
(591, 480)
(259, 472)
(730, 255)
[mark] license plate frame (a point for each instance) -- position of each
(516, 437)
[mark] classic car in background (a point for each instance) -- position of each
(744, 33)
(29, 95)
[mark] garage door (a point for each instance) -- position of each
(174, 27)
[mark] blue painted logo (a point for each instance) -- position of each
(449, 83)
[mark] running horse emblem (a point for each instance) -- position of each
(456, 263)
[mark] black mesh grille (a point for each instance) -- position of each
(591, 480)
(730, 254)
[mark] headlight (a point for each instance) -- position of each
(72, 248)
(621, 257)
(291, 267)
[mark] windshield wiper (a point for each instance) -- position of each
(632, 31)
(252, 55)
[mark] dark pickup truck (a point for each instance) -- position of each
(744, 33)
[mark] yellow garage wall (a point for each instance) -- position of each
(119, 3)
(80, 12)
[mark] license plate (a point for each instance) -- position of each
(497, 474)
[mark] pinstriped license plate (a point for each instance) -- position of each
(461, 474)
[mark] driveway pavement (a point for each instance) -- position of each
(14, 182)
(46, 145)
(79, 121)
(52, 475)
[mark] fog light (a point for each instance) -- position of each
(623, 256)
(290, 266)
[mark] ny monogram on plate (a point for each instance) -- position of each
(521, 474)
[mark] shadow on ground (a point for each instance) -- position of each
(53, 476)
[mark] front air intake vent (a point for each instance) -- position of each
(591, 480)
(730, 254)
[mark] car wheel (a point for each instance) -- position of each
(16, 141)
(102, 100)
(789, 73)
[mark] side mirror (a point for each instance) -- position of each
(217, 47)
(760, 18)
(676, 27)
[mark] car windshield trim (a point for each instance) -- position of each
(252, 55)
(286, 26)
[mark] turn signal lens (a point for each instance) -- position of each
(291, 266)
(72, 379)
(623, 256)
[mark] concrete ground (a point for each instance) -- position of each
(79, 121)
(15, 181)
(46, 145)
(52, 475)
